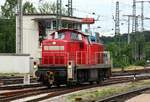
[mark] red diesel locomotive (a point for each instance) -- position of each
(71, 57)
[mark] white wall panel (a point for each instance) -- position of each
(14, 63)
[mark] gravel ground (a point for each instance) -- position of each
(87, 95)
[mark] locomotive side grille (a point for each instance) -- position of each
(55, 58)
(81, 57)
(45, 60)
(99, 58)
(50, 60)
(102, 57)
(96, 58)
(59, 60)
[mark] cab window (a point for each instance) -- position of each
(59, 36)
(80, 36)
(75, 36)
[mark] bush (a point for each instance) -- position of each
(140, 63)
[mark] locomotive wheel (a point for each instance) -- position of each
(91, 82)
(58, 84)
(98, 82)
(70, 84)
(78, 83)
(48, 85)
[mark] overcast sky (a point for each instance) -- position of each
(104, 8)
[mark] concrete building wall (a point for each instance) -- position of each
(31, 37)
(14, 63)
(31, 32)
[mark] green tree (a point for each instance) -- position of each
(147, 51)
(124, 54)
(8, 27)
(8, 24)
(9, 8)
(50, 8)
(47, 8)
(28, 8)
(53, 8)
(7, 36)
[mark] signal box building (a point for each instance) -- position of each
(37, 27)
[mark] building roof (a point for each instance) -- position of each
(39, 17)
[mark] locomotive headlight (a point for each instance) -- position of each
(70, 70)
(34, 65)
(54, 43)
(69, 65)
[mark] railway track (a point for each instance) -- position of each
(7, 93)
(130, 72)
(7, 80)
(124, 96)
(19, 86)
(49, 93)
(16, 94)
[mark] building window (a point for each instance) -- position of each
(70, 25)
(64, 25)
(74, 26)
(54, 25)
(79, 26)
(48, 24)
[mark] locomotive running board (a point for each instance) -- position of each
(93, 66)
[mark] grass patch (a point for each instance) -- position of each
(102, 92)
(134, 67)
(128, 68)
